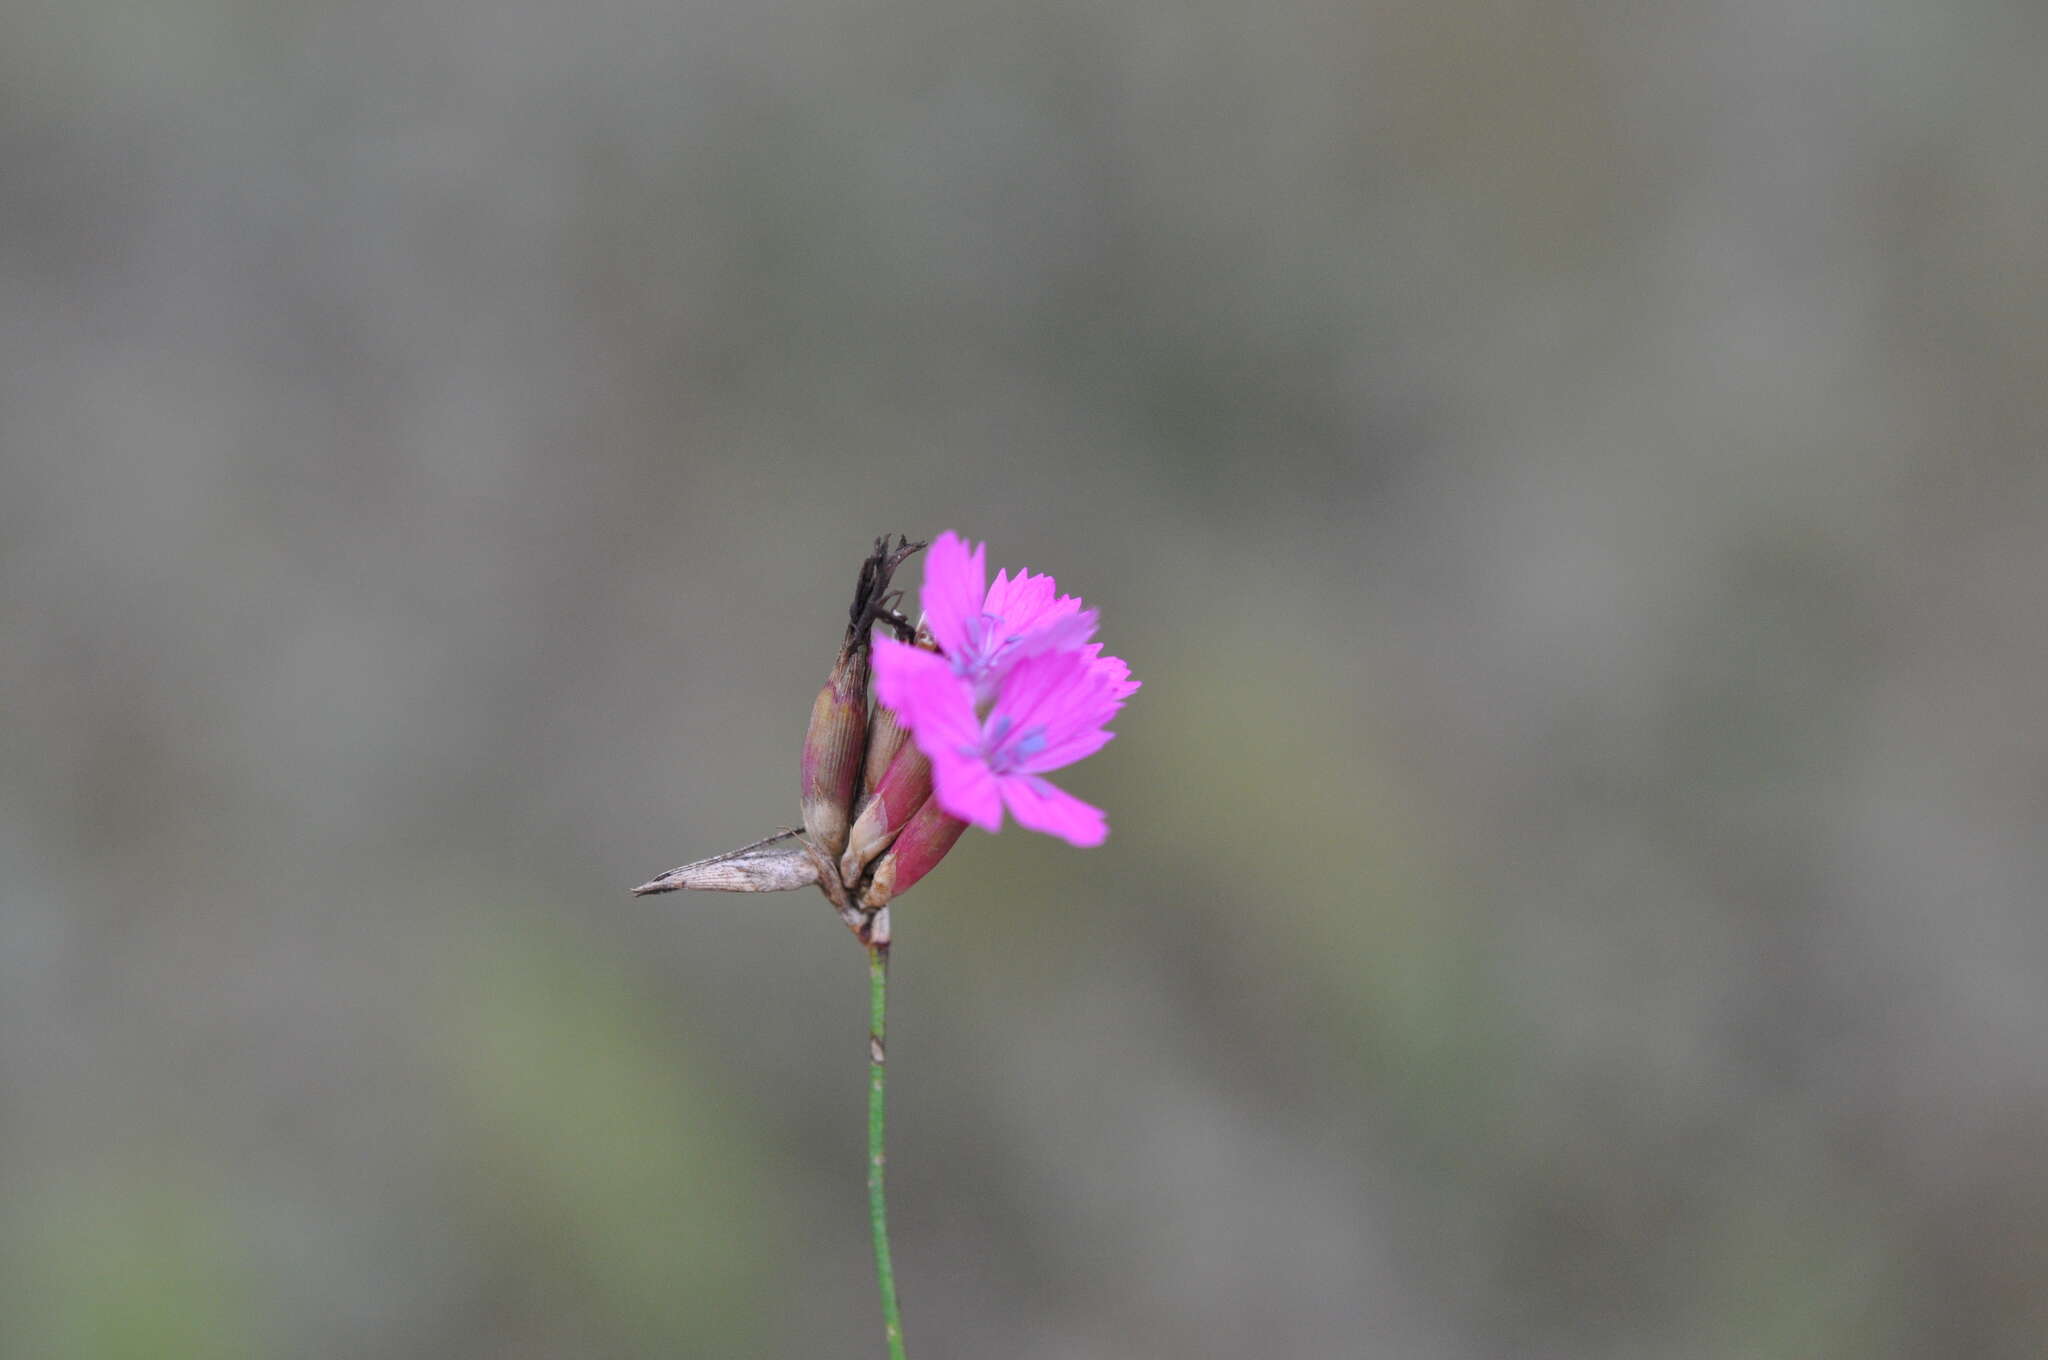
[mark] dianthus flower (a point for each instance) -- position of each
(1016, 690)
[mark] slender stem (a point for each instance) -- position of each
(878, 1214)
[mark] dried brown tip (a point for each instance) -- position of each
(755, 868)
(871, 598)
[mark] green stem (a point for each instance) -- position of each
(878, 1214)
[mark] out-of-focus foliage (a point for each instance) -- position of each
(129, 1265)
(616, 1185)
(1571, 477)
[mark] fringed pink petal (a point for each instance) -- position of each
(925, 695)
(963, 785)
(954, 573)
(1041, 807)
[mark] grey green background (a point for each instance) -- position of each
(1570, 474)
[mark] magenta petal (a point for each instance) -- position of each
(1041, 807)
(952, 592)
(925, 695)
(1053, 632)
(1058, 754)
(1113, 670)
(965, 788)
(1024, 601)
(1059, 692)
(1007, 595)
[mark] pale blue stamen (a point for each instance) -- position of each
(983, 649)
(977, 657)
(1003, 755)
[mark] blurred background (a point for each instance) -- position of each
(1570, 475)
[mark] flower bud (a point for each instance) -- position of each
(905, 787)
(886, 733)
(835, 745)
(923, 842)
(833, 750)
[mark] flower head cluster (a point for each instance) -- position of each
(1015, 690)
(1001, 686)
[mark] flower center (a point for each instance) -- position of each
(1004, 752)
(985, 641)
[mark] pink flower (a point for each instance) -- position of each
(985, 632)
(1048, 713)
(1017, 691)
